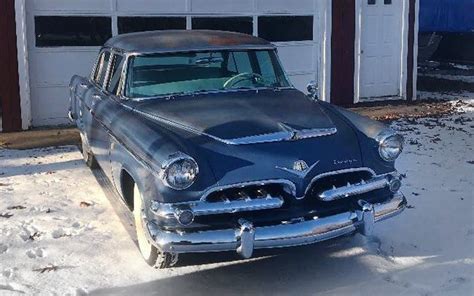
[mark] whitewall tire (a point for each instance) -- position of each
(149, 252)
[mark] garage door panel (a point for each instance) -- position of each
(51, 67)
(206, 6)
(57, 68)
(297, 58)
(152, 6)
(50, 105)
(282, 6)
(61, 5)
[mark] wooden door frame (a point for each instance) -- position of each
(342, 51)
(10, 86)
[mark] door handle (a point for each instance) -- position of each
(97, 97)
(83, 85)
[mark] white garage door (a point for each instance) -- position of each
(64, 37)
(381, 34)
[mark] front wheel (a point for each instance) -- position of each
(149, 252)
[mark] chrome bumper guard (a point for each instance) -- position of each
(245, 237)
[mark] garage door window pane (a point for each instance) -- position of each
(285, 28)
(140, 24)
(52, 31)
(233, 24)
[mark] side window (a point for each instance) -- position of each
(101, 69)
(266, 66)
(97, 66)
(115, 73)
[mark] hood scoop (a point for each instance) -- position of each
(288, 134)
(239, 118)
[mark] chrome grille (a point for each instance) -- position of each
(340, 185)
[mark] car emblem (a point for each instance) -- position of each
(300, 168)
(300, 165)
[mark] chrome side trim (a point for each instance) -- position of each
(354, 189)
(202, 208)
(246, 236)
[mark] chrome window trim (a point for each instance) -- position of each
(114, 53)
(94, 68)
(107, 71)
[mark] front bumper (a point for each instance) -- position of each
(244, 238)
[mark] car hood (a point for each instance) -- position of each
(244, 117)
(207, 127)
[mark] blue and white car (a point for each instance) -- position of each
(213, 149)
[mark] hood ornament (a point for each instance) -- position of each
(300, 168)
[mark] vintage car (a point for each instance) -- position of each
(213, 149)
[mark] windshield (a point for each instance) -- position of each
(188, 72)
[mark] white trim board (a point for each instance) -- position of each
(23, 69)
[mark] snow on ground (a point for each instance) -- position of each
(59, 234)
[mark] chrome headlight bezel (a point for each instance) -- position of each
(174, 160)
(383, 139)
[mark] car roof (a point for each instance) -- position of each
(185, 40)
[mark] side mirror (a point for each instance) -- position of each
(312, 88)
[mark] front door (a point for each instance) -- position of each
(380, 48)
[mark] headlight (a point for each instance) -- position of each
(390, 145)
(179, 172)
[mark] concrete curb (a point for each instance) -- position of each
(40, 138)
